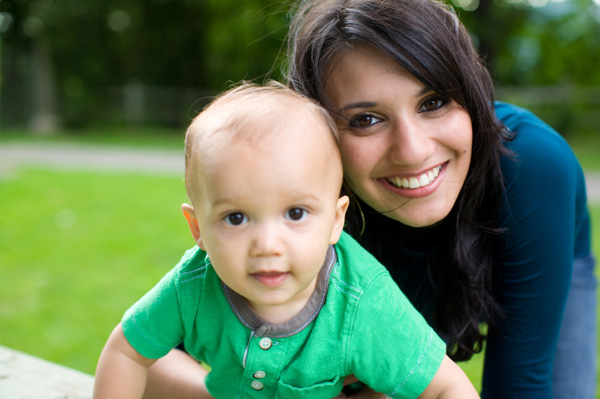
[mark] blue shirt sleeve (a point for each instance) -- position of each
(546, 226)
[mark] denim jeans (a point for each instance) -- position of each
(574, 373)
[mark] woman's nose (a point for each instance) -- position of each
(266, 241)
(409, 142)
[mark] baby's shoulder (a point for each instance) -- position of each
(357, 271)
(193, 264)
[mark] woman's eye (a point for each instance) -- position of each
(433, 104)
(363, 121)
(296, 214)
(235, 219)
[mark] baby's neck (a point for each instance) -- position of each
(282, 313)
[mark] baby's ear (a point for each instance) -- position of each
(340, 218)
(190, 216)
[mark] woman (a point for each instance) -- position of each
(478, 209)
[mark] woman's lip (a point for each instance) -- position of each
(417, 192)
(270, 279)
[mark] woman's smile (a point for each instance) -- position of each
(416, 185)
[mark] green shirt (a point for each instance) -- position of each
(357, 322)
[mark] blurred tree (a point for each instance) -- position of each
(244, 42)
(95, 46)
(528, 45)
(550, 50)
(492, 25)
(85, 49)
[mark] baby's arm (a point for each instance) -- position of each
(449, 382)
(122, 371)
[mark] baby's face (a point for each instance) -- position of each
(268, 209)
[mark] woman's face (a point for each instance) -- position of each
(406, 150)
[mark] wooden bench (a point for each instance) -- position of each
(24, 376)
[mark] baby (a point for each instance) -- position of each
(275, 297)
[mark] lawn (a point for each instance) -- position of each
(77, 248)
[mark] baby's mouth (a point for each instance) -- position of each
(412, 183)
(270, 279)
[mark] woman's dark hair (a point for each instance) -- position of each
(426, 38)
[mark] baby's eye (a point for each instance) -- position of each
(235, 219)
(363, 121)
(296, 214)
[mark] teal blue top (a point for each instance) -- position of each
(357, 322)
(547, 227)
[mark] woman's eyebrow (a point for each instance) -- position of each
(360, 104)
(370, 104)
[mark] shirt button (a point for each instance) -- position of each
(265, 343)
(259, 374)
(257, 385)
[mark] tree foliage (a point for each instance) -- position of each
(95, 46)
(526, 45)
(89, 47)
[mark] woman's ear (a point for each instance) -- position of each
(190, 216)
(340, 219)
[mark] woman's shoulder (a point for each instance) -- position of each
(536, 149)
(532, 136)
(542, 173)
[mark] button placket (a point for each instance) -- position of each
(265, 343)
(260, 364)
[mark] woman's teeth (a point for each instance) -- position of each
(416, 182)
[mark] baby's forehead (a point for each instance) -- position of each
(255, 119)
(263, 123)
(280, 131)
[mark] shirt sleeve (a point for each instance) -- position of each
(396, 351)
(154, 325)
(544, 190)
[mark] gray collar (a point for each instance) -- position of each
(263, 328)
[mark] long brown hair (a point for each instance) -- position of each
(426, 38)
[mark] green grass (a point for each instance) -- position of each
(587, 149)
(78, 248)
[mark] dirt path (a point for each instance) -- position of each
(85, 157)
